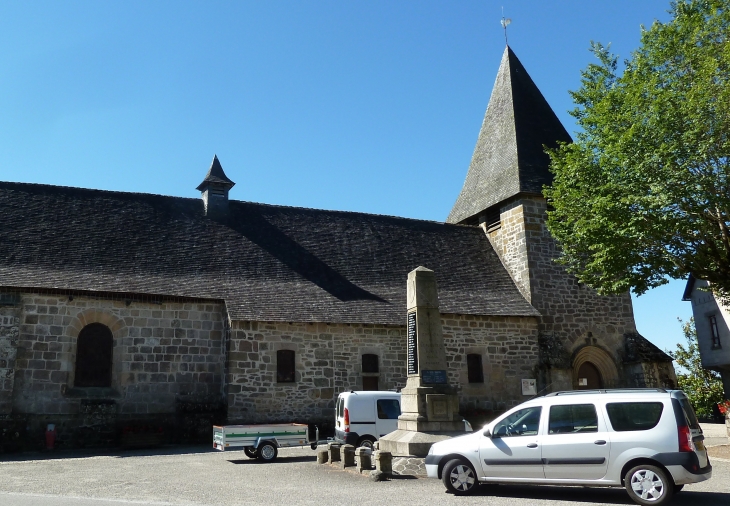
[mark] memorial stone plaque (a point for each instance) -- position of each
(433, 377)
(412, 344)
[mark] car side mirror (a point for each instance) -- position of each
(487, 434)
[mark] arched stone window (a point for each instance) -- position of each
(474, 369)
(285, 367)
(370, 371)
(94, 356)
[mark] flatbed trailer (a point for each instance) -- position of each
(262, 441)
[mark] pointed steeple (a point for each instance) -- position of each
(215, 176)
(214, 190)
(509, 157)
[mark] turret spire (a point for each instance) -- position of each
(214, 189)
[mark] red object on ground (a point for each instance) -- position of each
(50, 436)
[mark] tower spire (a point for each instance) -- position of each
(509, 158)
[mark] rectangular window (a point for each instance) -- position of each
(369, 362)
(285, 366)
(474, 368)
(388, 409)
(370, 371)
(715, 332)
(573, 419)
(628, 416)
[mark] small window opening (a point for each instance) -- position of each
(370, 371)
(715, 333)
(94, 356)
(370, 363)
(491, 219)
(475, 371)
(285, 366)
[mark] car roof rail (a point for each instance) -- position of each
(607, 391)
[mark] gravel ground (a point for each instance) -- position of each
(196, 476)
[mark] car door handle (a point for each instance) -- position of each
(599, 442)
(532, 445)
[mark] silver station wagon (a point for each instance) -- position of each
(646, 440)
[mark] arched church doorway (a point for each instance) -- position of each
(594, 368)
(588, 377)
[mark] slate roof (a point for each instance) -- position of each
(637, 348)
(268, 263)
(215, 175)
(509, 157)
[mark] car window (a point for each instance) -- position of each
(689, 413)
(388, 409)
(573, 419)
(627, 416)
(524, 422)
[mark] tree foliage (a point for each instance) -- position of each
(644, 192)
(702, 386)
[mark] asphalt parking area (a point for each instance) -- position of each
(202, 477)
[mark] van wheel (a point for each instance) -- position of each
(267, 452)
(366, 442)
(459, 477)
(250, 452)
(648, 485)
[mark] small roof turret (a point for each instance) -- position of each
(215, 176)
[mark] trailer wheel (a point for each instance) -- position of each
(267, 452)
(250, 452)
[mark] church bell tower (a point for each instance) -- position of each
(583, 336)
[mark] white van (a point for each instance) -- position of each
(363, 417)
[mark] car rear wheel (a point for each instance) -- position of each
(366, 442)
(459, 477)
(648, 485)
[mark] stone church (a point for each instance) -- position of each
(127, 312)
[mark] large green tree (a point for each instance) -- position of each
(702, 386)
(643, 193)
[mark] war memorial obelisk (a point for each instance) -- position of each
(429, 405)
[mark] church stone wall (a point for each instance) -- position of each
(328, 361)
(509, 350)
(573, 314)
(9, 323)
(162, 353)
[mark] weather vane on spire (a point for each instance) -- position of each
(504, 23)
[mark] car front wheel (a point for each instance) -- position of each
(648, 485)
(459, 477)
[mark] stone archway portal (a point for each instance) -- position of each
(595, 367)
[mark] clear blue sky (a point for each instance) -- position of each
(365, 106)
